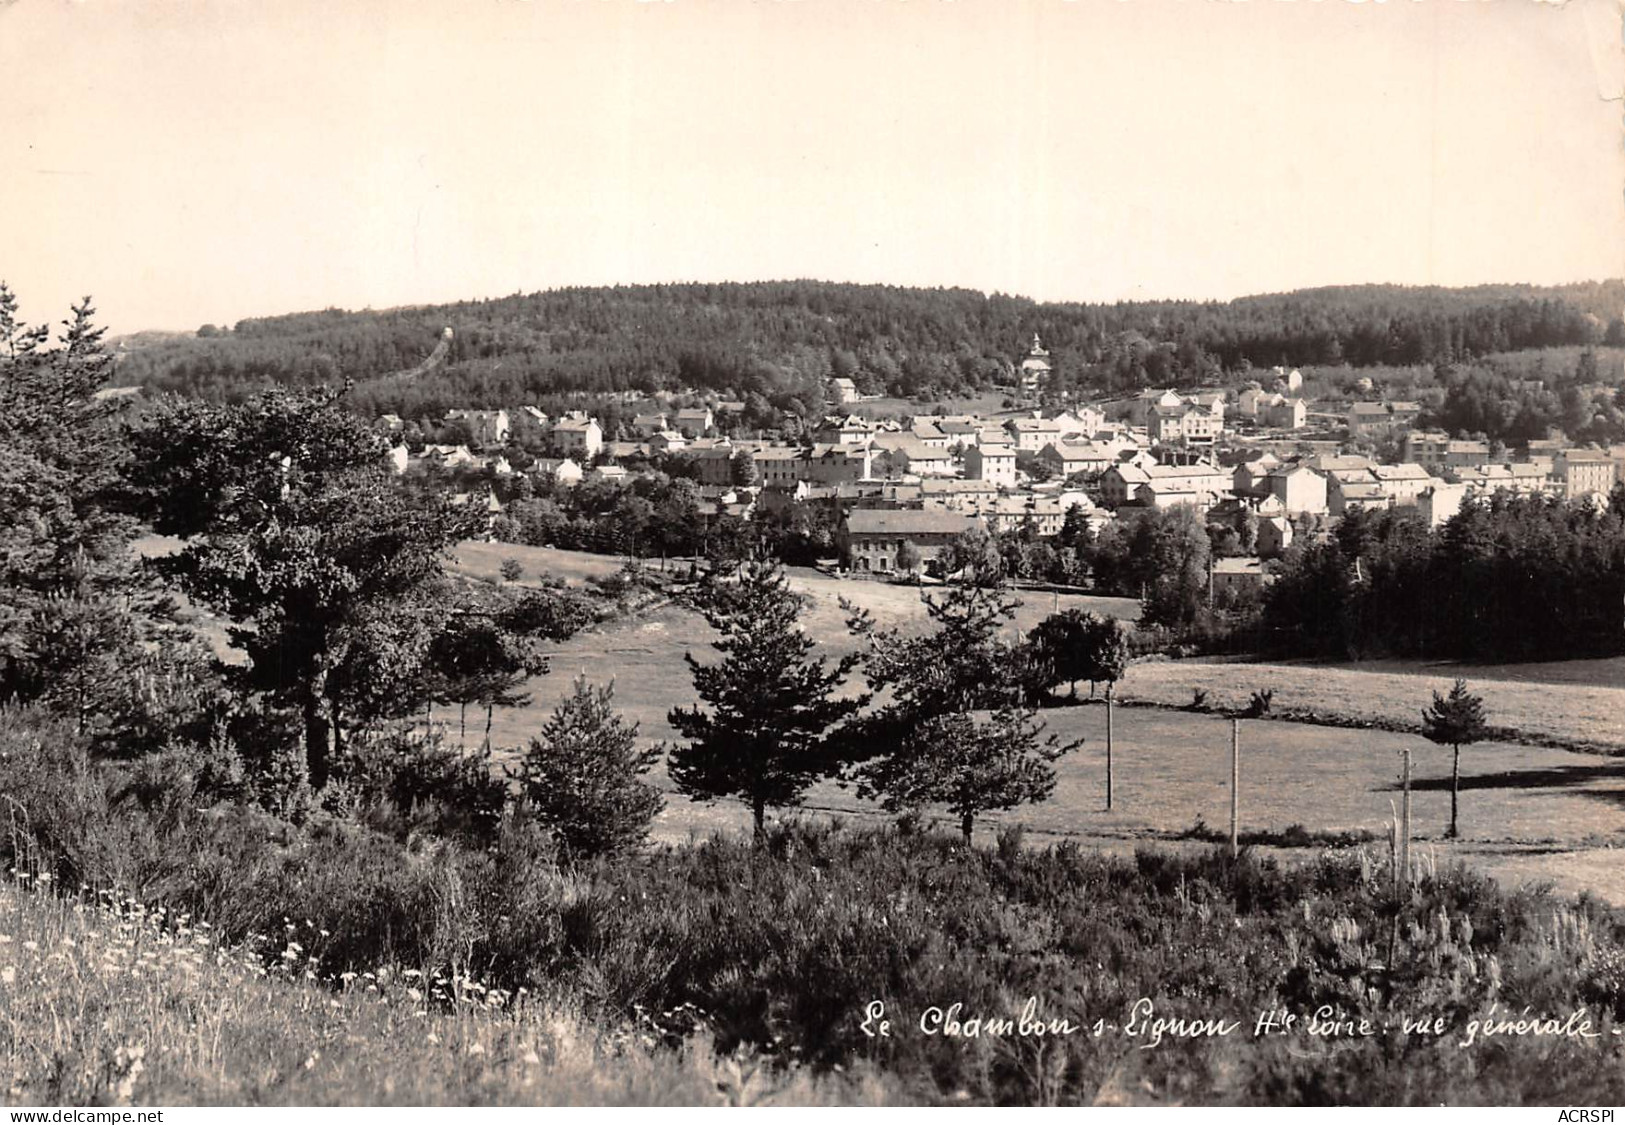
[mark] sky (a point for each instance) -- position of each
(201, 161)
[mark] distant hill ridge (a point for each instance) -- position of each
(785, 339)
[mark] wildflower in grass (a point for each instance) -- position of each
(31, 946)
(8, 975)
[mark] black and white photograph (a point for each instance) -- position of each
(790, 553)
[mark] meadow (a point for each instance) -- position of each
(1545, 711)
(1534, 807)
(1328, 758)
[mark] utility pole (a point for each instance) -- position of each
(1108, 748)
(1235, 787)
(1405, 821)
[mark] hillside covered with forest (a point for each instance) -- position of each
(783, 340)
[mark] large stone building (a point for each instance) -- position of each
(1044, 514)
(996, 463)
(1300, 489)
(1066, 458)
(910, 454)
(1183, 425)
(871, 537)
(1029, 435)
(1373, 419)
(1517, 478)
(1287, 414)
(576, 435)
(1347, 491)
(1404, 482)
(1583, 472)
(1119, 483)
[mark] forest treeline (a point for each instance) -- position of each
(1508, 578)
(784, 340)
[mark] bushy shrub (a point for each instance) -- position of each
(406, 782)
(582, 776)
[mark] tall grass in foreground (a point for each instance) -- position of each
(106, 1002)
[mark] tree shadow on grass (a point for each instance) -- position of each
(1549, 777)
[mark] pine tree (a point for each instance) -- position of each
(925, 746)
(962, 665)
(969, 766)
(582, 775)
(74, 608)
(908, 559)
(1455, 720)
(298, 532)
(769, 703)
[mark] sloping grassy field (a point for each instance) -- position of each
(1528, 811)
(1580, 716)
